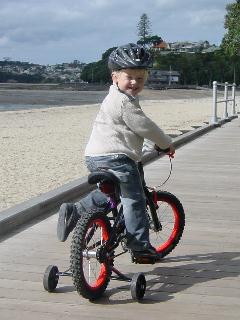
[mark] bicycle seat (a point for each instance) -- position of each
(102, 176)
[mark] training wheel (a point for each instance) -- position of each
(50, 278)
(138, 286)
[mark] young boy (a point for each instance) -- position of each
(117, 138)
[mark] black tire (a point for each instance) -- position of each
(91, 232)
(172, 218)
(50, 278)
(138, 286)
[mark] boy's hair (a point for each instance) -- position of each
(130, 56)
(146, 72)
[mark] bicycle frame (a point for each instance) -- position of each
(118, 224)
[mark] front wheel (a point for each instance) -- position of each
(90, 274)
(171, 215)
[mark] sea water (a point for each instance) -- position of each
(17, 107)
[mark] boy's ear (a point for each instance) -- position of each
(114, 76)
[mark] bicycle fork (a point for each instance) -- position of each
(153, 206)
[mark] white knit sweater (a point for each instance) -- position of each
(121, 126)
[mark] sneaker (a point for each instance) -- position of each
(149, 255)
(67, 220)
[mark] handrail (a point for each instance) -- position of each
(226, 100)
(48, 203)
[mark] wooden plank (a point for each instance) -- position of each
(200, 280)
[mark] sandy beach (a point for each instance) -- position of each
(42, 149)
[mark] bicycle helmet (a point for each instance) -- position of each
(129, 56)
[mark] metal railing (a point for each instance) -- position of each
(226, 114)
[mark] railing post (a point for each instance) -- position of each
(225, 113)
(233, 99)
(214, 104)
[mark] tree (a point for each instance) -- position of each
(199, 68)
(143, 28)
(150, 41)
(97, 72)
(231, 40)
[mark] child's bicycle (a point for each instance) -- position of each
(100, 237)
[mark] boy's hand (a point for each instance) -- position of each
(170, 151)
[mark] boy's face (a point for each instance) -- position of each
(130, 81)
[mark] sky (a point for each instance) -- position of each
(57, 31)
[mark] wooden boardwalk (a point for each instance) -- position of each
(199, 280)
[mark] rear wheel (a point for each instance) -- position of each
(90, 276)
(171, 215)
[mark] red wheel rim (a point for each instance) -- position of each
(175, 228)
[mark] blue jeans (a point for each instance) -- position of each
(132, 196)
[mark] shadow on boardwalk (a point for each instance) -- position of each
(166, 281)
(206, 267)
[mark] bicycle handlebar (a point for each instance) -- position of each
(166, 151)
(161, 150)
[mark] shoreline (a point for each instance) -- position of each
(55, 98)
(42, 149)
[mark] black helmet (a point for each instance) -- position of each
(129, 56)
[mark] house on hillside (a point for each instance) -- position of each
(181, 46)
(160, 46)
(211, 49)
(163, 77)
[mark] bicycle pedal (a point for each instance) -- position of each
(143, 260)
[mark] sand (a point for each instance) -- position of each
(42, 149)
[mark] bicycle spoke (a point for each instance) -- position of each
(171, 216)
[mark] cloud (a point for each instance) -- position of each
(3, 41)
(205, 17)
(51, 30)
